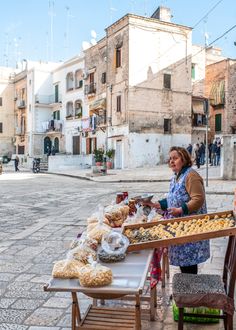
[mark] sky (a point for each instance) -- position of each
(54, 30)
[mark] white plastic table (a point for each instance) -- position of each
(129, 278)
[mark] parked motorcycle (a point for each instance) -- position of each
(36, 165)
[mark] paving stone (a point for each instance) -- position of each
(13, 316)
(8, 326)
(5, 302)
(27, 304)
(45, 317)
(43, 328)
(58, 302)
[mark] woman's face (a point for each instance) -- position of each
(175, 162)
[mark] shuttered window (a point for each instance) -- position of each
(167, 81)
(218, 119)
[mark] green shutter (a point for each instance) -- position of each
(218, 123)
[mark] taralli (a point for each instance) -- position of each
(95, 275)
(67, 269)
(179, 229)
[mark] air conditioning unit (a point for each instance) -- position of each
(85, 74)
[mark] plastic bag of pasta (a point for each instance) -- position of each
(84, 239)
(67, 268)
(82, 252)
(100, 229)
(94, 274)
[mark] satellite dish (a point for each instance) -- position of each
(93, 34)
(93, 42)
(85, 45)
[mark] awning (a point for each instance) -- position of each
(98, 104)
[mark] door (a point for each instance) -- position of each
(47, 144)
(76, 145)
(118, 154)
(56, 144)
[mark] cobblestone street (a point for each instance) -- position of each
(39, 216)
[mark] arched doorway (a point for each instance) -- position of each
(56, 144)
(47, 144)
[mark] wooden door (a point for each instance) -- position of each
(76, 145)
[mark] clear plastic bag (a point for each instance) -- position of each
(82, 252)
(67, 268)
(94, 274)
(115, 243)
(100, 229)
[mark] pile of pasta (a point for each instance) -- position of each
(179, 229)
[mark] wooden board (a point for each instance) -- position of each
(183, 239)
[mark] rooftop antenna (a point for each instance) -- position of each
(51, 14)
(6, 51)
(145, 8)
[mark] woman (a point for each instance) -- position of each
(186, 197)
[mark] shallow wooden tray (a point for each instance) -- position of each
(183, 239)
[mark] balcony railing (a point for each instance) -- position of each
(47, 99)
(90, 89)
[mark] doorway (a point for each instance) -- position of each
(47, 144)
(76, 145)
(118, 154)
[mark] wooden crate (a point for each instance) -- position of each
(108, 319)
(183, 239)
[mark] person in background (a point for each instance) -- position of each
(213, 153)
(53, 151)
(218, 152)
(189, 149)
(209, 151)
(16, 162)
(202, 153)
(186, 196)
(197, 155)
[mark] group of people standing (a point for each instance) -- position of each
(198, 153)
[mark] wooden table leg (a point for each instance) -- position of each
(137, 313)
(76, 317)
(153, 302)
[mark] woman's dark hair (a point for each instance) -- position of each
(184, 154)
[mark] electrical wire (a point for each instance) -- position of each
(207, 13)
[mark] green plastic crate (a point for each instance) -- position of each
(196, 310)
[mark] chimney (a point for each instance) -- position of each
(163, 14)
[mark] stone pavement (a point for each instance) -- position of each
(40, 215)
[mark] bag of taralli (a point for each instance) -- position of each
(67, 268)
(94, 274)
(100, 228)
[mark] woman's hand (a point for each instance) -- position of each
(152, 205)
(175, 211)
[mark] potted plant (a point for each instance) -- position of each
(110, 154)
(98, 156)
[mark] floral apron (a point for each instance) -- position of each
(190, 253)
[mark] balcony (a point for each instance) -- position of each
(21, 104)
(47, 99)
(90, 89)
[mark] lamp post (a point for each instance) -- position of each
(206, 111)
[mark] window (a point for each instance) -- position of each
(193, 70)
(69, 81)
(218, 123)
(118, 103)
(1, 128)
(69, 109)
(56, 93)
(118, 57)
(167, 81)
(56, 115)
(79, 78)
(167, 126)
(103, 80)
(0, 101)
(78, 108)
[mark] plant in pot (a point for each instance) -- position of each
(98, 156)
(110, 155)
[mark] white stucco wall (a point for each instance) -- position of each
(156, 47)
(60, 162)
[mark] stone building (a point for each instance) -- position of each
(147, 65)
(220, 89)
(20, 114)
(6, 111)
